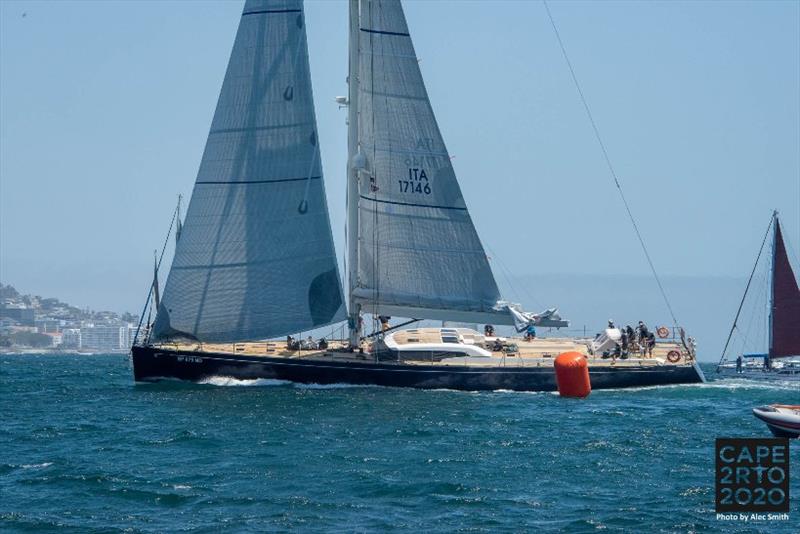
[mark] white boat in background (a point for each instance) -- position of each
(783, 420)
(782, 359)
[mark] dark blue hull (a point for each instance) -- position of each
(153, 363)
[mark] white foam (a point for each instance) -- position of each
(36, 466)
(330, 386)
(227, 381)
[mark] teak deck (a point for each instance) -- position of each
(539, 352)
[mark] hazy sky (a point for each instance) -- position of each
(105, 108)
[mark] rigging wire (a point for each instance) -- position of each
(507, 274)
(752, 338)
(608, 163)
(747, 287)
(158, 266)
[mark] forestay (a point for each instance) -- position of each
(419, 253)
(255, 257)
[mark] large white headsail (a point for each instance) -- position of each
(419, 253)
(256, 257)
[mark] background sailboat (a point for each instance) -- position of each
(782, 358)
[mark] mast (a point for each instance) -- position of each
(772, 280)
(179, 227)
(353, 307)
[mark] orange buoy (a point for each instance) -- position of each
(572, 375)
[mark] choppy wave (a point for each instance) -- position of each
(36, 466)
(85, 450)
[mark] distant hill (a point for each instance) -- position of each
(52, 307)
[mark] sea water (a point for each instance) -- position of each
(84, 449)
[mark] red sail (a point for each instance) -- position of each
(785, 303)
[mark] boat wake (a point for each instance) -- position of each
(227, 381)
(731, 384)
(331, 386)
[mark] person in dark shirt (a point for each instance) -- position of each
(624, 342)
(651, 343)
(739, 363)
(643, 332)
(630, 332)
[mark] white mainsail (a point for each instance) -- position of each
(418, 252)
(255, 258)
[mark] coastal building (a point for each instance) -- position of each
(71, 338)
(130, 331)
(55, 338)
(104, 338)
(25, 316)
(47, 325)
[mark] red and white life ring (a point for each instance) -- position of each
(662, 332)
(673, 356)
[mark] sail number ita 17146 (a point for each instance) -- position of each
(417, 182)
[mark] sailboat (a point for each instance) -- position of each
(255, 263)
(781, 360)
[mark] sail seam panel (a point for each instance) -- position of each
(248, 182)
(384, 32)
(271, 11)
(396, 203)
(262, 128)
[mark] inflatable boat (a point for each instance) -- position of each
(783, 420)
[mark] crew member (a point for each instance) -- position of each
(739, 363)
(643, 332)
(651, 343)
(630, 332)
(530, 332)
(384, 319)
(624, 342)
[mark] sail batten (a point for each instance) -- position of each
(256, 259)
(419, 253)
(785, 312)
